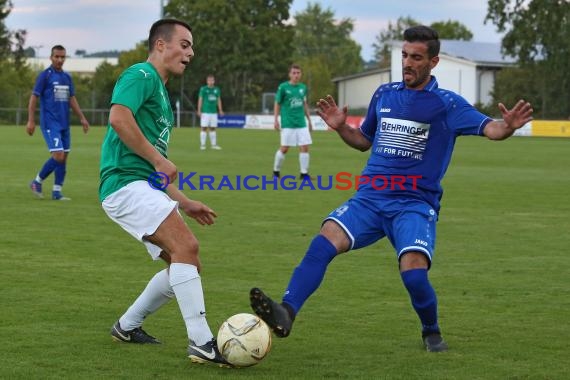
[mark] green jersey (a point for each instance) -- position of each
(210, 96)
(291, 98)
(140, 89)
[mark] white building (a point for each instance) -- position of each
(81, 66)
(465, 67)
(356, 90)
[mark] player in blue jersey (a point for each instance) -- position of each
(55, 89)
(410, 130)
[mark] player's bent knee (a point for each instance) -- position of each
(413, 260)
(187, 248)
(59, 157)
(336, 235)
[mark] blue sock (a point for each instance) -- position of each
(423, 298)
(48, 167)
(309, 273)
(60, 171)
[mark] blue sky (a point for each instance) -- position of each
(96, 25)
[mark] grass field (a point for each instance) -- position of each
(501, 268)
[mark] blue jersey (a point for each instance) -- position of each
(54, 88)
(413, 134)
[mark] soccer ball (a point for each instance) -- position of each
(244, 340)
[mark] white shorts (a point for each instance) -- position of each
(140, 210)
(295, 136)
(209, 120)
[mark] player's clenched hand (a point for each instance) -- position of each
(30, 128)
(85, 125)
(199, 212)
(330, 113)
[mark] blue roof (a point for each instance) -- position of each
(488, 53)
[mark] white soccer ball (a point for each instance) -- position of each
(244, 340)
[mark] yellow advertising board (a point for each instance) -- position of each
(551, 128)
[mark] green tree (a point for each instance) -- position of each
(102, 84)
(5, 35)
(16, 77)
(537, 33)
(449, 30)
(317, 76)
(394, 32)
(246, 44)
(11, 42)
(29, 52)
(18, 51)
(452, 30)
(15, 84)
(510, 83)
(106, 75)
(104, 54)
(324, 49)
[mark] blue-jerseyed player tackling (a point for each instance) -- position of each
(410, 129)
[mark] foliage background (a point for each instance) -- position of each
(249, 44)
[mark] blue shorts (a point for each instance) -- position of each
(57, 139)
(408, 224)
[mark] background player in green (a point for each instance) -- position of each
(209, 102)
(134, 149)
(291, 105)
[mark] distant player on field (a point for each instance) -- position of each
(291, 105)
(209, 103)
(133, 155)
(410, 129)
(55, 89)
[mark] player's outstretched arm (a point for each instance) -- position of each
(336, 119)
(513, 119)
(194, 209)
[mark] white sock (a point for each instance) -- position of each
(187, 286)
(38, 179)
(203, 136)
(56, 187)
(304, 162)
(157, 293)
(213, 138)
(279, 158)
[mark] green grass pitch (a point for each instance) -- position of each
(501, 267)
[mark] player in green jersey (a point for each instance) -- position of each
(209, 102)
(137, 193)
(291, 105)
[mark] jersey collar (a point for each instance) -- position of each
(431, 86)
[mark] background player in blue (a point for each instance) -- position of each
(55, 89)
(410, 129)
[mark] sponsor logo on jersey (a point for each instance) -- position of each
(402, 138)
